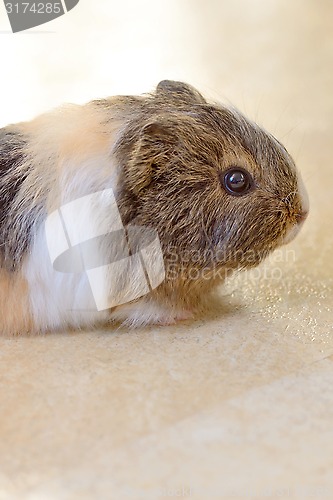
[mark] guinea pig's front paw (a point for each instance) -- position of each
(169, 317)
(143, 313)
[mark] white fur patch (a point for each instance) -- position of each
(60, 299)
(57, 299)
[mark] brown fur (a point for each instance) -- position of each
(172, 154)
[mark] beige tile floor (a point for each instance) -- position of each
(235, 406)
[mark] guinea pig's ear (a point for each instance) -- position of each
(179, 92)
(151, 151)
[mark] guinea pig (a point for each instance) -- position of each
(215, 192)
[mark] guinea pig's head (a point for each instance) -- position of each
(216, 187)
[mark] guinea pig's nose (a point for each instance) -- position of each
(301, 216)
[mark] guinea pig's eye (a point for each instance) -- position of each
(237, 181)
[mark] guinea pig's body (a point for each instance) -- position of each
(219, 191)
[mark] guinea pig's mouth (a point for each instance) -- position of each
(301, 217)
(293, 231)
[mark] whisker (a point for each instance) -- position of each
(287, 198)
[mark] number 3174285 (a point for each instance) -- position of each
(34, 7)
